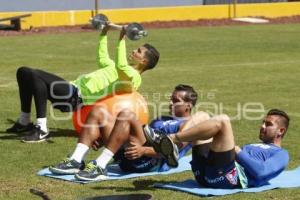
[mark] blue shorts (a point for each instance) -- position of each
(223, 176)
(139, 165)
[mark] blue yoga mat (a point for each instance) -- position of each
(287, 179)
(115, 173)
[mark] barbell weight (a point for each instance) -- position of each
(99, 21)
(134, 31)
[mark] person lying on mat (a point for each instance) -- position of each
(66, 96)
(222, 164)
(123, 139)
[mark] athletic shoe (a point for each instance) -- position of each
(162, 144)
(19, 128)
(36, 135)
(67, 166)
(92, 172)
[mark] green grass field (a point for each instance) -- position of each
(228, 66)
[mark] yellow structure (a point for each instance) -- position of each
(59, 18)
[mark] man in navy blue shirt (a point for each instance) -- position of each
(126, 142)
(226, 165)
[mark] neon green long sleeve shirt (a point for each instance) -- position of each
(110, 77)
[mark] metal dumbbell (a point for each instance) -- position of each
(134, 31)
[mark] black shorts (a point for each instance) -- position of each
(139, 165)
(215, 170)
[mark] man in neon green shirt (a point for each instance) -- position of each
(111, 77)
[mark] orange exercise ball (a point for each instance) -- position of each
(114, 104)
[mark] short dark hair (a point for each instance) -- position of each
(191, 94)
(284, 118)
(152, 56)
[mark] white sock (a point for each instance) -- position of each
(104, 158)
(24, 118)
(80, 151)
(42, 122)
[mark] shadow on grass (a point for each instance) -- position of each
(138, 185)
(121, 197)
(54, 132)
(39, 193)
(57, 132)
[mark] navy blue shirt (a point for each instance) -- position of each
(262, 162)
(168, 125)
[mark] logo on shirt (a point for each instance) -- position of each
(170, 122)
(261, 145)
(232, 176)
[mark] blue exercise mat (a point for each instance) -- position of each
(287, 179)
(115, 173)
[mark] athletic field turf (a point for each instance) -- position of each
(238, 70)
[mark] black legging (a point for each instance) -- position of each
(42, 86)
